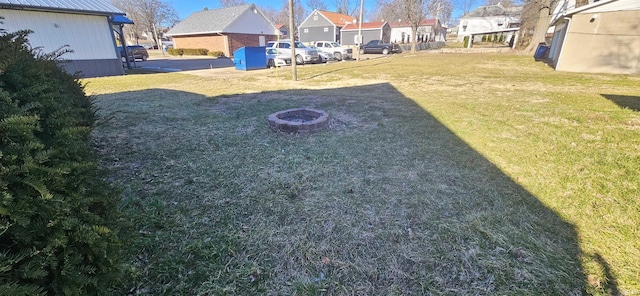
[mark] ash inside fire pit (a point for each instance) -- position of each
(298, 120)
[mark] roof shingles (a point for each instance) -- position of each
(337, 19)
(365, 26)
(208, 21)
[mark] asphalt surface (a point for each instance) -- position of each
(185, 63)
(190, 63)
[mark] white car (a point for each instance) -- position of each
(304, 54)
(339, 52)
(324, 56)
(275, 58)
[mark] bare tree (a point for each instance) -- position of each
(466, 5)
(231, 3)
(505, 3)
(535, 22)
(150, 17)
(299, 14)
(316, 4)
(445, 11)
(410, 11)
(348, 7)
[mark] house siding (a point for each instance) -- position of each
(604, 45)
(317, 34)
(473, 25)
(251, 22)
(93, 68)
(348, 37)
(315, 28)
(89, 36)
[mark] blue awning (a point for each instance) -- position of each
(120, 19)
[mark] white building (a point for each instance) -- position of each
(430, 30)
(489, 19)
(84, 26)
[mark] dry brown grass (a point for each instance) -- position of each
(438, 174)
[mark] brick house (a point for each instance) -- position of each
(224, 29)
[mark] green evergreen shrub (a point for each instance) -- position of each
(188, 51)
(501, 38)
(216, 53)
(59, 220)
(484, 38)
(466, 41)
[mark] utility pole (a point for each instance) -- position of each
(437, 32)
(360, 29)
(292, 32)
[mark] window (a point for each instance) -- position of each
(306, 30)
(326, 29)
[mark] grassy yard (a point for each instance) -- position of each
(438, 174)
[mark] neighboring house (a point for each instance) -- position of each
(601, 37)
(493, 19)
(428, 31)
(370, 31)
(284, 32)
(224, 29)
(323, 25)
(85, 26)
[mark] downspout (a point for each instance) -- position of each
(564, 39)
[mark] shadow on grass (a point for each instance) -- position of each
(386, 200)
(631, 102)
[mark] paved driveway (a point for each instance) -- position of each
(169, 63)
(185, 63)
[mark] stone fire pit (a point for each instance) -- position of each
(298, 120)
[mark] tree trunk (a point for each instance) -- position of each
(540, 30)
(414, 32)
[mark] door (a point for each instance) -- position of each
(262, 40)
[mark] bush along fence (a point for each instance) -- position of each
(423, 46)
(59, 224)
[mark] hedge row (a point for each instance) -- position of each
(59, 223)
(187, 51)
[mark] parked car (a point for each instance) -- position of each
(303, 54)
(135, 52)
(379, 46)
(276, 59)
(339, 52)
(324, 56)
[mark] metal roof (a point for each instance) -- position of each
(86, 6)
(120, 19)
(209, 21)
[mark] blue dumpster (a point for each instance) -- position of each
(250, 58)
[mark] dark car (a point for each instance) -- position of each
(379, 46)
(135, 52)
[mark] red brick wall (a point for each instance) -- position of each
(241, 40)
(227, 43)
(210, 42)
